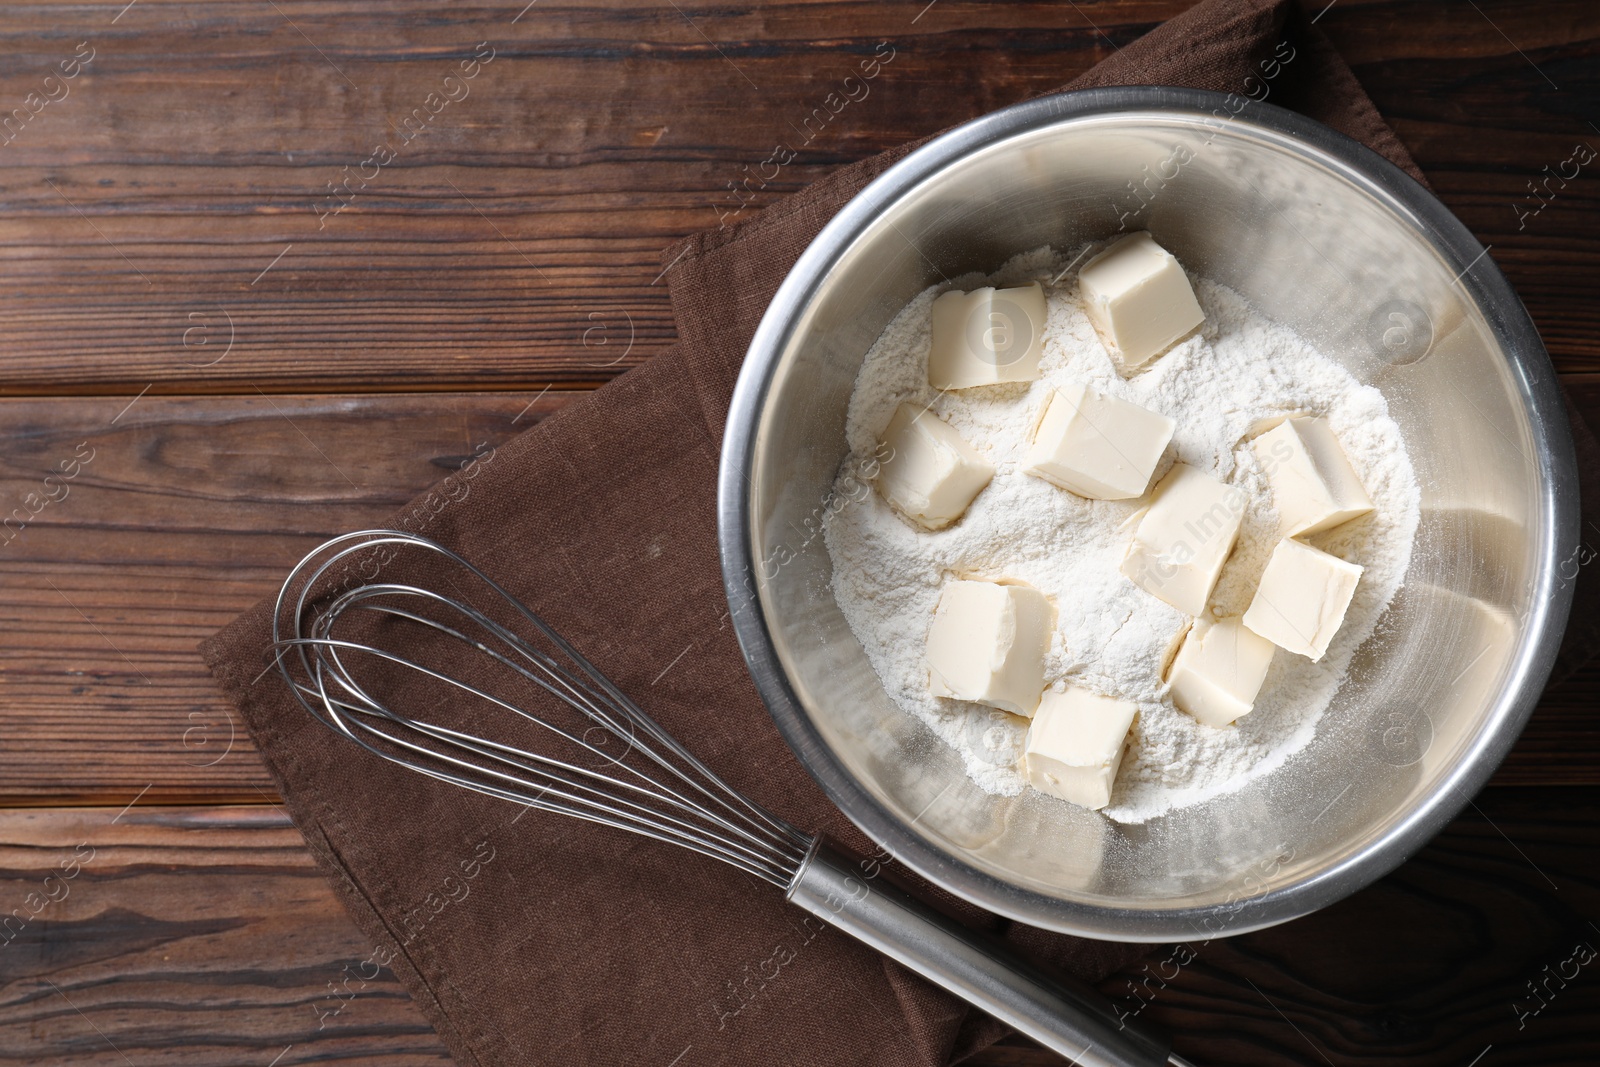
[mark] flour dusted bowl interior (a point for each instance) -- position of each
(1322, 236)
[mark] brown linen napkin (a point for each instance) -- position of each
(534, 939)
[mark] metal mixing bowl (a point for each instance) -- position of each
(1322, 235)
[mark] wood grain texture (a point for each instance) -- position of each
(515, 240)
(187, 511)
(200, 936)
(205, 936)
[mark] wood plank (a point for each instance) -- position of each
(205, 936)
(187, 936)
(187, 512)
(190, 509)
(499, 247)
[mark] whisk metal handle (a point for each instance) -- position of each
(1073, 1020)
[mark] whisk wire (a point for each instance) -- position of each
(574, 684)
(571, 689)
(553, 773)
(653, 786)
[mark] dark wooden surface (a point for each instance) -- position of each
(250, 378)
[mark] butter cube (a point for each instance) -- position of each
(1219, 670)
(1184, 537)
(988, 643)
(1075, 745)
(931, 475)
(1313, 485)
(1302, 598)
(1139, 300)
(986, 336)
(1095, 445)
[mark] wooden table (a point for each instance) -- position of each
(251, 333)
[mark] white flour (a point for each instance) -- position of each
(1110, 635)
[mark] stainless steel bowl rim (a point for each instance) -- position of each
(1486, 287)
